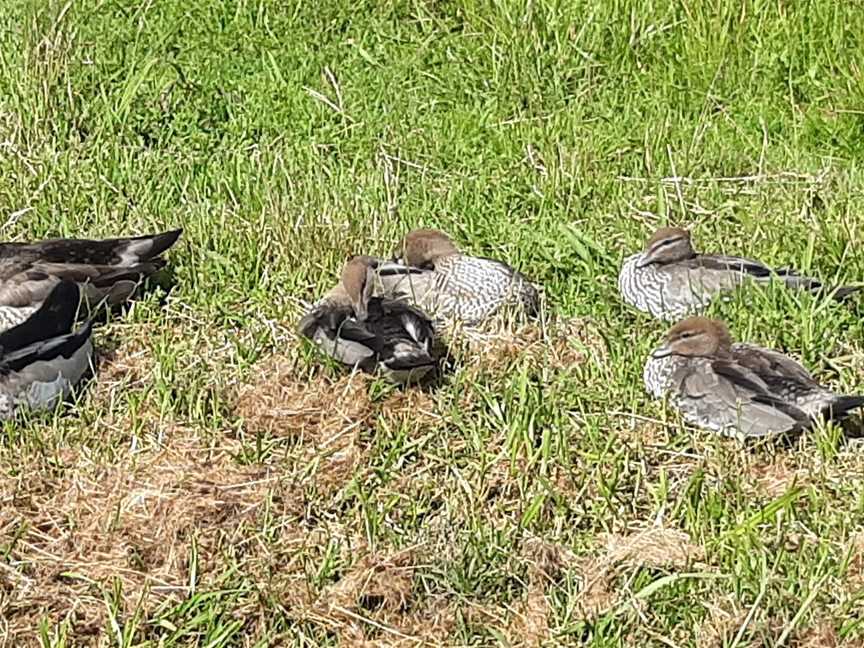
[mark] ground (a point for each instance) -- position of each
(219, 485)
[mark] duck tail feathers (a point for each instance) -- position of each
(842, 406)
(794, 280)
(405, 357)
(844, 292)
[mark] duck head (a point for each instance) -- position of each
(696, 337)
(421, 248)
(357, 283)
(667, 245)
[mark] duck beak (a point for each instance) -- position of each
(662, 351)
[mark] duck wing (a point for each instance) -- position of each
(406, 334)
(55, 317)
(723, 263)
(333, 328)
(722, 395)
(45, 346)
(110, 268)
(406, 340)
(773, 367)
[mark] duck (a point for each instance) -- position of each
(738, 389)
(668, 279)
(454, 287)
(43, 360)
(107, 271)
(376, 334)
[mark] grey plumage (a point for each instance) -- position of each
(451, 286)
(107, 270)
(669, 279)
(42, 360)
(737, 388)
(376, 334)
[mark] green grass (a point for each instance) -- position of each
(284, 137)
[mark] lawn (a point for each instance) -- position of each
(219, 485)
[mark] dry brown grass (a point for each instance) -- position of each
(721, 624)
(855, 573)
(76, 529)
(374, 604)
(653, 547)
(323, 417)
(775, 477)
(529, 619)
(821, 635)
(280, 401)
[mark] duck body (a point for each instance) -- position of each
(385, 336)
(43, 359)
(669, 279)
(738, 389)
(107, 270)
(464, 288)
(455, 287)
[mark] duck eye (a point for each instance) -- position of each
(687, 334)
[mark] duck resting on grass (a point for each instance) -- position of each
(107, 271)
(669, 279)
(376, 334)
(455, 287)
(43, 359)
(738, 389)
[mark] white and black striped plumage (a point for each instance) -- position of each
(451, 286)
(107, 270)
(43, 359)
(378, 335)
(668, 279)
(737, 389)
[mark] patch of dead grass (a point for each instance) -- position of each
(855, 573)
(774, 478)
(374, 604)
(529, 620)
(721, 624)
(324, 417)
(822, 635)
(653, 547)
(74, 531)
(411, 406)
(278, 401)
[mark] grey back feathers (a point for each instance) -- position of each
(451, 286)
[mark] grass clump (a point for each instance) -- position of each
(216, 486)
